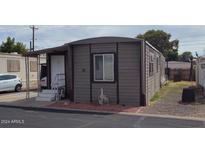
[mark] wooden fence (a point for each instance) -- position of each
(180, 74)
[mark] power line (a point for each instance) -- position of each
(33, 37)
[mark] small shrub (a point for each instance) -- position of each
(155, 97)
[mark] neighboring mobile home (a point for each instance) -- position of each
(13, 63)
(200, 71)
(129, 70)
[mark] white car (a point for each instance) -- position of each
(10, 82)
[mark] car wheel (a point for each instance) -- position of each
(18, 88)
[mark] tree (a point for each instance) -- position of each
(172, 55)
(161, 41)
(185, 56)
(10, 46)
(20, 48)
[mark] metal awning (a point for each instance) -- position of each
(48, 50)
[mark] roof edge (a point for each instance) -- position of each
(153, 48)
(105, 39)
(46, 50)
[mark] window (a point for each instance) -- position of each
(33, 66)
(104, 67)
(157, 64)
(13, 65)
(202, 66)
(151, 65)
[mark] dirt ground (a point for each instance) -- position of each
(169, 103)
(10, 97)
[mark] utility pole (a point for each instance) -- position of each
(33, 36)
(38, 56)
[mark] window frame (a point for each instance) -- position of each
(11, 62)
(203, 66)
(94, 66)
(32, 65)
(157, 64)
(151, 64)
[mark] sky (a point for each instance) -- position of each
(191, 38)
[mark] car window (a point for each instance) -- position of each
(7, 77)
(4, 77)
(1, 77)
(12, 76)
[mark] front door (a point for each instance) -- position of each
(57, 66)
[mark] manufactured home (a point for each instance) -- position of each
(128, 70)
(200, 71)
(13, 63)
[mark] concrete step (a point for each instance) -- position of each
(49, 91)
(46, 99)
(47, 94)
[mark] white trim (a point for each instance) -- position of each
(103, 55)
(153, 48)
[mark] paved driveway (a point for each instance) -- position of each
(11, 117)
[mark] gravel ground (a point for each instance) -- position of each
(170, 105)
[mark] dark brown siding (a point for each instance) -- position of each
(109, 90)
(101, 48)
(69, 71)
(48, 62)
(81, 73)
(129, 73)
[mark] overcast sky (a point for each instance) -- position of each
(191, 38)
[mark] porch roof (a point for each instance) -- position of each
(47, 50)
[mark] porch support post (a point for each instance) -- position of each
(27, 76)
(38, 73)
